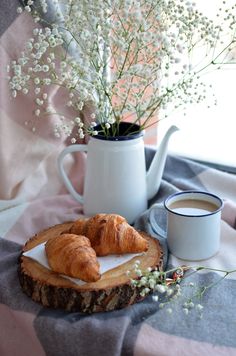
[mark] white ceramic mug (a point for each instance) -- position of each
(193, 224)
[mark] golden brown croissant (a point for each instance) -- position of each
(73, 256)
(110, 234)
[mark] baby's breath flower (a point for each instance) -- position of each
(156, 274)
(37, 112)
(77, 120)
(138, 272)
(49, 110)
(94, 72)
(45, 68)
(39, 102)
(186, 311)
(28, 8)
(188, 305)
(160, 288)
(169, 292)
(36, 81)
(155, 298)
(199, 307)
(111, 121)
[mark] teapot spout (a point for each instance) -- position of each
(156, 169)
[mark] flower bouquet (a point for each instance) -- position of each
(126, 60)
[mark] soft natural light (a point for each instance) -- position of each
(208, 134)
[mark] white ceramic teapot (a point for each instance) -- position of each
(116, 180)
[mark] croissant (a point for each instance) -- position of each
(110, 234)
(73, 256)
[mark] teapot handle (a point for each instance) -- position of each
(67, 182)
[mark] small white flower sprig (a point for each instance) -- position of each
(127, 59)
(166, 285)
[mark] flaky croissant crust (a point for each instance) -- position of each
(110, 234)
(73, 256)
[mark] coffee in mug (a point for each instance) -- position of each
(193, 224)
(193, 207)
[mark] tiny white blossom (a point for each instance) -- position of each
(49, 110)
(45, 68)
(160, 288)
(155, 298)
(111, 121)
(37, 112)
(28, 8)
(156, 274)
(39, 102)
(77, 120)
(169, 292)
(186, 311)
(137, 271)
(199, 307)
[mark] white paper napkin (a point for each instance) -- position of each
(106, 263)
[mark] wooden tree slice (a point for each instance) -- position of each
(112, 291)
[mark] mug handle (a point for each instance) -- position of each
(157, 229)
(67, 182)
